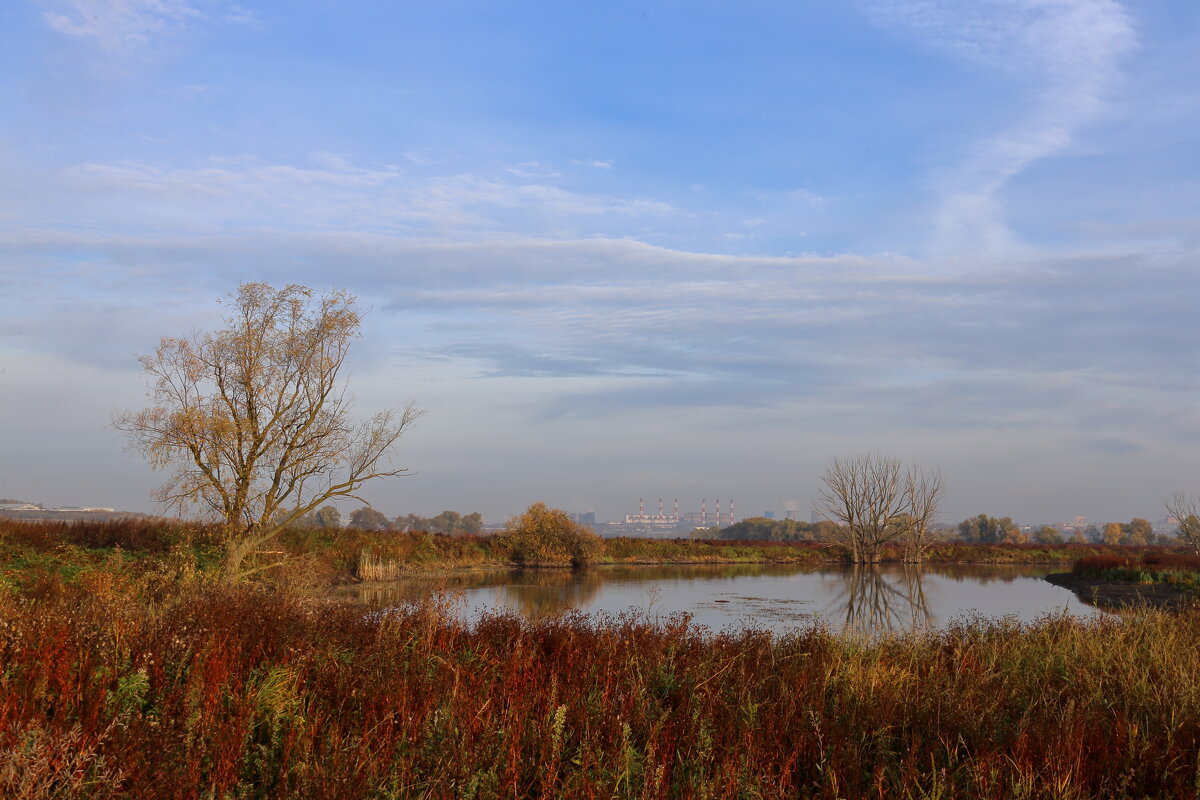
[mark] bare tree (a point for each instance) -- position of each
(253, 422)
(1186, 510)
(866, 495)
(923, 490)
(877, 502)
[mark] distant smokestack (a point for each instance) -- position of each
(704, 512)
(642, 507)
(718, 512)
(677, 509)
(730, 512)
(660, 513)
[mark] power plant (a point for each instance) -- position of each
(700, 519)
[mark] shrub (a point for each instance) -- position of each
(548, 536)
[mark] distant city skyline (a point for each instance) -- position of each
(620, 248)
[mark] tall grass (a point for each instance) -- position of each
(229, 693)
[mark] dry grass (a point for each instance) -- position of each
(109, 690)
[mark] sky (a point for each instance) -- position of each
(621, 250)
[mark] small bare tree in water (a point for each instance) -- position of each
(877, 502)
(253, 422)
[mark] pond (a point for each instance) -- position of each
(772, 597)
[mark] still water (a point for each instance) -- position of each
(772, 597)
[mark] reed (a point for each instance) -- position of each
(109, 689)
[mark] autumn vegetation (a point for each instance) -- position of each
(128, 680)
(307, 557)
(132, 671)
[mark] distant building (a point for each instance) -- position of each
(668, 523)
(651, 519)
(769, 514)
(1166, 526)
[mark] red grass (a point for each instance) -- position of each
(151, 535)
(1141, 559)
(233, 693)
(1182, 562)
(1101, 563)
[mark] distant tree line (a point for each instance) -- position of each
(370, 519)
(981, 529)
(445, 522)
(992, 530)
(765, 529)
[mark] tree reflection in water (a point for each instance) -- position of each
(544, 593)
(538, 593)
(870, 600)
(866, 598)
(419, 588)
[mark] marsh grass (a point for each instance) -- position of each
(110, 689)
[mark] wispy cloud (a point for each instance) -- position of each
(595, 163)
(118, 26)
(1066, 54)
(330, 191)
(867, 339)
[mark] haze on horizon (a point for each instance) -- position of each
(633, 250)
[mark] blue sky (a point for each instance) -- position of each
(678, 249)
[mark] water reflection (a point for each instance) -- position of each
(866, 598)
(544, 593)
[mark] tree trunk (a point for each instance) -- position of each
(236, 550)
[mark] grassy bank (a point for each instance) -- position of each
(318, 556)
(111, 689)
(1171, 569)
(1163, 579)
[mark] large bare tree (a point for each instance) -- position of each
(253, 422)
(1186, 511)
(877, 502)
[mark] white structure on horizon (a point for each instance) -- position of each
(60, 509)
(671, 520)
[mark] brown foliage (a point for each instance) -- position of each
(546, 536)
(238, 693)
